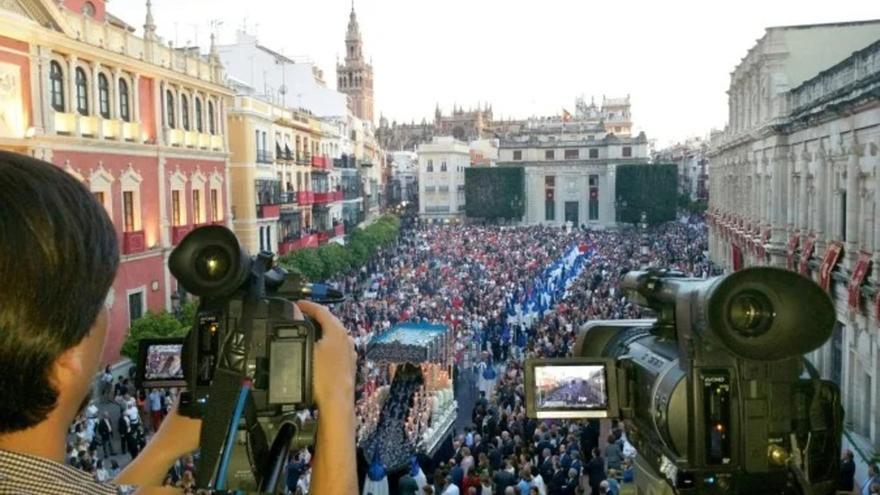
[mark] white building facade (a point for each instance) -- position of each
(570, 171)
(442, 163)
(794, 184)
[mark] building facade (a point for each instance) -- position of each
(355, 77)
(570, 171)
(140, 123)
(794, 184)
(691, 159)
(442, 163)
(404, 184)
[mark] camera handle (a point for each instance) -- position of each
(293, 434)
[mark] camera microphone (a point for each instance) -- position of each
(321, 293)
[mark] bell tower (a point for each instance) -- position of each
(355, 76)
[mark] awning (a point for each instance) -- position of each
(806, 253)
(792, 246)
(858, 276)
(832, 254)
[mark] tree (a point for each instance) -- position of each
(649, 188)
(150, 326)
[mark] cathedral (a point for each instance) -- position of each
(464, 125)
(355, 76)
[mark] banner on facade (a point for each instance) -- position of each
(858, 276)
(829, 261)
(792, 246)
(806, 253)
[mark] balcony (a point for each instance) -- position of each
(204, 141)
(324, 236)
(190, 139)
(216, 143)
(65, 123)
(131, 131)
(133, 242)
(269, 211)
(337, 196)
(263, 156)
(179, 232)
(321, 162)
(306, 241)
(174, 137)
(339, 230)
(288, 198)
(305, 197)
(324, 197)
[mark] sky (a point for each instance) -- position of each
(672, 57)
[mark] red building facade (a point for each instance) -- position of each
(140, 123)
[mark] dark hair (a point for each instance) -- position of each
(58, 259)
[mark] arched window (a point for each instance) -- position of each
(184, 112)
(88, 9)
(56, 86)
(211, 127)
(199, 127)
(124, 108)
(169, 107)
(82, 92)
(103, 96)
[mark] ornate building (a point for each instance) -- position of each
(463, 125)
(794, 184)
(139, 122)
(355, 77)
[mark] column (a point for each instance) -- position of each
(876, 223)
(803, 224)
(135, 98)
(44, 114)
(853, 171)
(94, 104)
(779, 169)
(820, 219)
(71, 93)
(790, 166)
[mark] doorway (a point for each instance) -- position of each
(571, 212)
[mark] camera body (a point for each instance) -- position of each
(714, 393)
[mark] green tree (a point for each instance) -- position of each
(151, 325)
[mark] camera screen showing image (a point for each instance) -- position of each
(568, 389)
(160, 363)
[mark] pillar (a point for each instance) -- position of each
(778, 210)
(804, 207)
(853, 172)
(820, 220)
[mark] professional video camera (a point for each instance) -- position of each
(715, 393)
(246, 363)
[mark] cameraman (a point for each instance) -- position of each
(58, 259)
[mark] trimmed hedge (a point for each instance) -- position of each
(649, 188)
(494, 192)
(331, 259)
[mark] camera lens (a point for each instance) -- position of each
(750, 313)
(212, 263)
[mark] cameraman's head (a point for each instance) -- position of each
(58, 259)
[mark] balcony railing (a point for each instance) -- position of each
(133, 242)
(339, 230)
(305, 197)
(268, 211)
(263, 156)
(179, 232)
(324, 236)
(322, 162)
(325, 197)
(306, 241)
(288, 197)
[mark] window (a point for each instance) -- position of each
(124, 109)
(169, 107)
(215, 205)
(549, 210)
(128, 211)
(88, 9)
(103, 96)
(594, 197)
(627, 151)
(175, 209)
(549, 198)
(197, 207)
(517, 155)
(549, 154)
(135, 305)
(211, 128)
(443, 166)
(594, 152)
(184, 112)
(82, 92)
(572, 154)
(199, 127)
(430, 167)
(99, 195)
(56, 86)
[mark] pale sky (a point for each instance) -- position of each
(525, 58)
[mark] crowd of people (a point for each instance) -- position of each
(465, 277)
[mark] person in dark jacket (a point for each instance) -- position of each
(847, 472)
(596, 470)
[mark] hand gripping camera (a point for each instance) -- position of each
(715, 392)
(247, 361)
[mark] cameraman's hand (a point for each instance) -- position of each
(335, 361)
(334, 468)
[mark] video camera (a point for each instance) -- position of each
(246, 363)
(715, 393)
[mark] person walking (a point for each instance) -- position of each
(105, 434)
(155, 403)
(847, 473)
